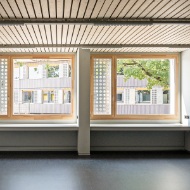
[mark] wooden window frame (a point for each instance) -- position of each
(113, 115)
(10, 80)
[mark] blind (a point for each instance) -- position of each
(3, 86)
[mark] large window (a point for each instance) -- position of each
(137, 87)
(41, 87)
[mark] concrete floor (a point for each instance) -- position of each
(100, 171)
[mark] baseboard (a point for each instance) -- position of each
(54, 148)
(136, 148)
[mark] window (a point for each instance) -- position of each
(41, 87)
(137, 87)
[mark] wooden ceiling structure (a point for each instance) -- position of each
(57, 26)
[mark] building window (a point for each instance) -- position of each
(42, 88)
(142, 85)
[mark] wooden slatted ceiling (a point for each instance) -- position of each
(88, 34)
(95, 8)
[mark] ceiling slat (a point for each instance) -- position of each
(59, 34)
(82, 8)
(134, 8)
(37, 8)
(54, 33)
(89, 9)
(111, 9)
(15, 9)
(53, 9)
(60, 8)
(29, 8)
(168, 6)
(8, 9)
(48, 33)
(27, 33)
(97, 9)
(120, 11)
(96, 34)
(80, 34)
(69, 35)
(38, 34)
(85, 35)
(64, 35)
(67, 10)
(159, 7)
(145, 6)
(180, 5)
(75, 34)
(43, 34)
(105, 8)
(75, 8)
(32, 34)
(45, 9)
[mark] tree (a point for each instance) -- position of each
(155, 71)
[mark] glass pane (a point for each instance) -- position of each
(102, 86)
(3, 86)
(145, 86)
(42, 86)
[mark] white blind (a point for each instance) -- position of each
(102, 86)
(3, 86)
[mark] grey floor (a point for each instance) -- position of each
(100, 171)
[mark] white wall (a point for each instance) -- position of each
(185, 97)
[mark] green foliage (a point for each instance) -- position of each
(156, 71)
(53, 71)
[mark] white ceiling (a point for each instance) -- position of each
(122, 35)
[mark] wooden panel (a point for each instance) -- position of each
(48, 33)
(17, 32)
(159, 7)
(75, 8)
(37, 8)
(8, 9)
(33, 36)
(60, 8)
(104, 8)
(151, 8)
(29, 8)
(80, 34)
(82, 8)
(96, 34)
(86, 33)
(112, 8)
(67, 10)
(143, 8)
(43, 34)
(178, 7)
(89, 9)
(64, 35)
(97, 8)
(45, 9)
(166, 8)
(69, 34)
(75, 34)
(14, 8)
(54, 33)
(53, 9)
(134, 8)
(59, 33)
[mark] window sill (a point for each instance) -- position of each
(139, 127)
(38, 127)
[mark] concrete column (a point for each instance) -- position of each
(83, 99)
(185, 95)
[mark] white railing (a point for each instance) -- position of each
(49, 108)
